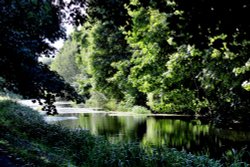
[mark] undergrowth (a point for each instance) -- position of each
(25, 134)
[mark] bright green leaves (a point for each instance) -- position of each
(148, 40)
(246, 85)
(175, 100)
(243, 70)
(165, 52)
(103, 50)
(180, 84)
(216, 54)
(159, 68)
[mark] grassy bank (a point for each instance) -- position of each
(30, 140)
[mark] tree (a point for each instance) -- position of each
(25, 27)
(105, 52)
(220, 30)
(65, 62)
(205, 60)
(155, 64)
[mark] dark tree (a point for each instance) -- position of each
(25, 28)
(201, 19)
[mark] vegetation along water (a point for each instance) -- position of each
(29, 139)
(197, 136)
(188, 58)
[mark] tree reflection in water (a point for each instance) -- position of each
(194, 136)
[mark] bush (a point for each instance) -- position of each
(140, 110)
(123, 106)
(111, 105)
(97, 99)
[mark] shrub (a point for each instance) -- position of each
(140, 110)
(123, 106)
(97, 99)
(111, 105)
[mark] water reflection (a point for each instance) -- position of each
(194, 136)
(125, 128)
(174, 132)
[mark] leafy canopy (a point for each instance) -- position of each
(25, 28)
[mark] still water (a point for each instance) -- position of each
(193, 135)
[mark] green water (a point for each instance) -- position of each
(192, 135)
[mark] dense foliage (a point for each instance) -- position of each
(197, 74)
(103, 51)
(26, 27)
(169, 58)
(199, 70)
(33, 142)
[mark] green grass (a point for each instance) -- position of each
(26, 135)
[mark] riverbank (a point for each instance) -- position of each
(28, 137)
(65, 107)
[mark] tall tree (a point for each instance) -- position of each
(209, 60)
(106, 50)
(65, 61)
(25, 28)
